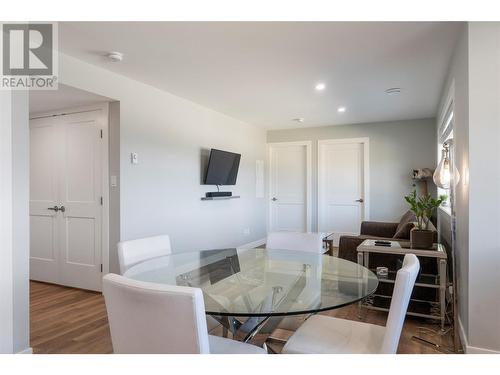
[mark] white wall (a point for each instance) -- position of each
(14, 222)
(114, 191)
(396, 148)
(6, 248)
(484, 189)
(475, 71)
(162, 193)
(458, 77)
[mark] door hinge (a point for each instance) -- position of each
(101, 201)
(101, 133)
(101, 267)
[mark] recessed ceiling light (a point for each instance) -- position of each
(341, 109)
(115, 56)
(298, 119)
(393, 91)
(320, 86)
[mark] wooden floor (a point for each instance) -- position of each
(67, 320)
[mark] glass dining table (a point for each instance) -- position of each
(250, 291)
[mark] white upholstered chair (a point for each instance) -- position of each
(297, 241)
(133, 252)
(327, 335)
(155, 318)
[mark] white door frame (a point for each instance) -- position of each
(308, 145)
(104, 126)
(366, 172)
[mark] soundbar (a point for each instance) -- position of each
(214, 194)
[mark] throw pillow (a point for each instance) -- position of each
(403, 231)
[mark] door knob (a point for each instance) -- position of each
(274, 199)
(360, 200)
(62, 209)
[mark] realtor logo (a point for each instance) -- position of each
(29, 56)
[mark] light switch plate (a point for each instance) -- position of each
(134, 158)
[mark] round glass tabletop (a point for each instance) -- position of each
(260, 282)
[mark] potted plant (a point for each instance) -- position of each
(423, 207)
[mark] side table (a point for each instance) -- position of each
(421, 308)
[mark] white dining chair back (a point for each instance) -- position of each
(403, 287)
(298, 241)
(150, 318)
(322, 334)
(135, 251)
(154, 318)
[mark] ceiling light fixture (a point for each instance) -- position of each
(320, 86)
(298, 119)
(115, 56)
(341, 109)
(393, 91)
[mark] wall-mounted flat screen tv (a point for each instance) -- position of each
(222, 168)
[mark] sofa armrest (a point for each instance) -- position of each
(378, 228)
(348, 246)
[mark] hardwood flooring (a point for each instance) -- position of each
(67, 320)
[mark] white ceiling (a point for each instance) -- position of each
(265, 73)
(64, 97)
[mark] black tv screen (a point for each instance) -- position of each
(222, 168)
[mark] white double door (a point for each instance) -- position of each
(342, 185)
(66, 174)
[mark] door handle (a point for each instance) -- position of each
(274, 199)
(360, 200)
(55, 208)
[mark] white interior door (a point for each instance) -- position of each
(80, 194)
(342, 185)
(44, 250)
(289, 176)
(66, 173)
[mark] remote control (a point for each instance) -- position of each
(382, 243)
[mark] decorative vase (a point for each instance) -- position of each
(421, 238)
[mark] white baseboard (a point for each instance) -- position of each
(476, 350)
(469, 349)
(26, 351)
(252, 245)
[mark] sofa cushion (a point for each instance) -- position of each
(403, 233)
